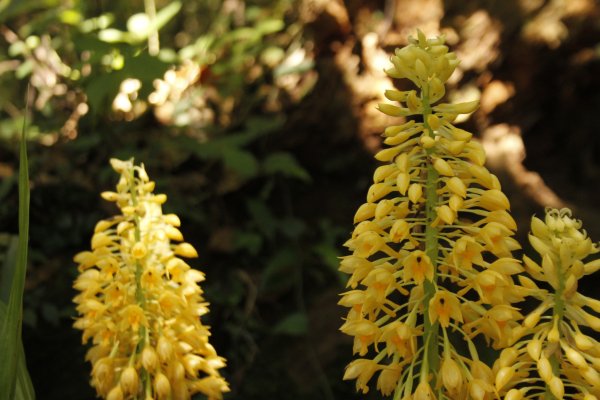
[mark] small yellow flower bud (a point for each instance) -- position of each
(186, 250)
(413, 102)
(457, 186)
(172, 219)
(388, 154)
(164, 348)
(103, 225)
(493, 200)
(119, 165)
(364, 212)
(100, 240)
(388, 380)
(456, 147)
(423, 392)
(442, 167)
(455, 203)
(433, 121)
(545, 369)
(115, 394)
(415, 192)
(159, 198)
(162, 387)
(452, 375)
(383, 208)
(399, 231)
(427, 141)
(508, 357)
(503, 376)
(138, 250)
(377, 191)
(458, 108)
(402, 182)
(173, 233)
(534, 348)
(130, 381)
(392, 111)
(557, 387)
(446, 214)
(383, 172)
(514, 394)
(149, 359)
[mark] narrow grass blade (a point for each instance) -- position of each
(10, 325)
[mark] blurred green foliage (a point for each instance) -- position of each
(198, 91)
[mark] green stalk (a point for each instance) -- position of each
(139, 292)
(431, 331)
(557, 313)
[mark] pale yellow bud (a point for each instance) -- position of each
(388, 380)
(129, 381)
(433, 121)
(457, 186)
(119, 165)
(100, 240)
(399, 231)
(575, 357)
(365, 212)
(164, 348)
(508, 357)
(413, 103)
(383, 208)
(423, 392)
(452, 375)
(395, 95)
(503, 376)
(173, 233)
(442, 167)
(557, 387)
(149, 359)
(383, 172)
(172, 219)
(103, 225)
(115, 394)
(458, 108)
(446, 214)
(456, 147)
(402, 182)
(377, 191)
(455, 203)
(514, 394)
(393, 111)
(545, 369)
(162, 387)
(138, 250)
(388, 154)
(402, 162)
(186, 250)
(534, 348)
(427, 141)
(415, 192)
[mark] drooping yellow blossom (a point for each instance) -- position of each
(139, 302)
(554, 358)
(431, 249)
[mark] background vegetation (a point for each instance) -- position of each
(257, 118)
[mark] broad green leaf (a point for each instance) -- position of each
(240, 161)
(285, 164)
(10, 323)
(295, 324)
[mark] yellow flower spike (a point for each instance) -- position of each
(434, 224)
(138, 302)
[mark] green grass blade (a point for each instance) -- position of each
(8, 269)
(10, 325)
(24, 387)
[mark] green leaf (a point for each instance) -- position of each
(295, 325)
(24, 387)
(241, 161)
(10, 323)
(269, 26)
(7, 272)
(285, 164)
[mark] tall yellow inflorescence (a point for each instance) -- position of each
(140, 304)
(431, 264)
(555, 358)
